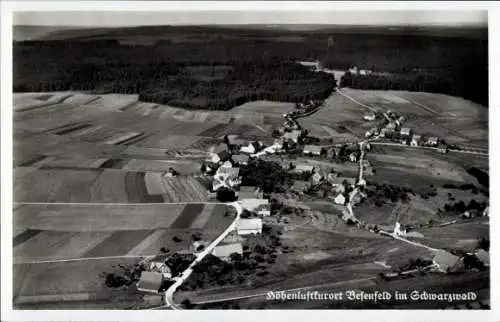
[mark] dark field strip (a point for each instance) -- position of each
(137, 191)
(113, 164)
(92, 100)
(135, 139)
(30, 162)
(119, 243)
(188, 215)
(72, 128)
(213, 131)
(24, 236)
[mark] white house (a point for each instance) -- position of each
(415, 140)
(150, 282)
(398, 231)
(252, 226)
(432, 141)
(340, 199)
(312, 150)
(352, 157)
(391, 126)
(224, 251)
(405, 131)
(369, 117)
(316, 178)
(250, 148)
(226, 177)
(294, 136)
(302, 167)
(252, 204)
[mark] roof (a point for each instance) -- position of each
(416, 137)
(253, 203)
(445, 260)
(294, 135)
(150, 281)
(483, 256)
(221, 147)
(391, 125)
(233, 140)
(312, 148)
(405, 130)
(432, 138)
(304, 167)
(240, 158)
(232, 172)
(227, 250)
(249, 224)
(247, 192)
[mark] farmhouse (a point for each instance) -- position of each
(369, 117)
(415, 140)
(162, 268)
(294, 136)
(405, 131)
(251, 148)
(224, 251)
(251, 226)
(312, 150)
(445, 261)
(341, 183)
(150, 282)
(241, 159)
(316, 178)
(226, 177)
(302, 167)
(442, 148)
(250, 192)
(219, 153)
(483, 256)
(340, 199)
(253, 204)
(391, 126)
(432, 141)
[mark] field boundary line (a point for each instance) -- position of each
(80, 259)
(114, 204)
(355, 100)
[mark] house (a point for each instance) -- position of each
(263, 210)
(240, 159)
(415, 140)
(405, 131)
(369, 117)
(252, 226)
(300, 186)
(250, 192)
(391, 126)
(251, 148)
(316, 178)
(445, 261)
(226, 177)
(353, 157)
(294, 136)
(486, 211)
(219, 153)
(432, 141)
(385, 132)
(224, 251)
(341, 183)
(302, 167)
(340, 199)
(150, 282)
(401, 119)
(253, 204)
(160, 267)
(483, 256)
(442, 148)
(312, 150)
(398, 231)
(372, 131)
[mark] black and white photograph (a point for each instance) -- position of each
(249, 160)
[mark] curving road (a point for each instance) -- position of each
(169, 293)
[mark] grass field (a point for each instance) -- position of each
(54, 232)
(454, 119)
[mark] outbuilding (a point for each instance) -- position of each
(252, 226)
(150, 282)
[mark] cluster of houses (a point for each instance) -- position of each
(395, 130)
(355, 71)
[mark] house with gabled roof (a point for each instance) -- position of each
(310, 149)
(150, 282)
(252, 226)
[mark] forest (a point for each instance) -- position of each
(248, 65)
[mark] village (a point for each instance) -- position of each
(226, 159)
